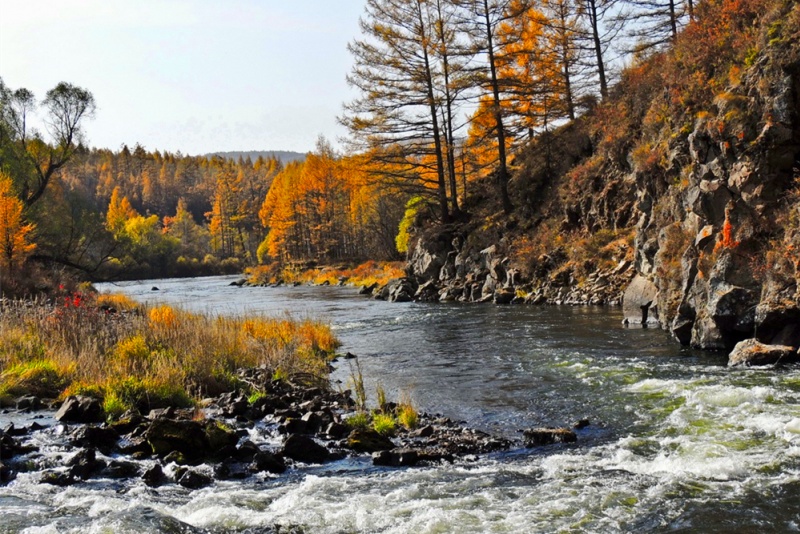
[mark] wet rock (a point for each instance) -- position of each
(186, 437)
(154, 476)
(84, 464)
(175, 457)
(134, 446)
(368, 440)
(504, 296)
(581, 423)
(80, 409)
(6, 474)
(537, 437)
(314, 422)
(396, 458)
(368, 290)
(401, 290)
(638, 302)
(191, 479)
(12, 430)
(57, 479)
(162, 413)
(103, 438)
(29, 402)
(427, 292)
(423, 432)
(752, 352)
(127, 423)
(121, 469)
(294, 426)
(336, 430)
(304, 449)
(266, 461)
(246, 451)
(231, 471)
(196, 441)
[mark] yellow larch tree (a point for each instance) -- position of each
(14, 233)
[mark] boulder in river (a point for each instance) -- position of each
(752, 352)
(193, 439)
(638, 304)
(367, 440)
(191, 479)
(304, 449)
(396, 458)
(536, 437)
(80, 409)
(266, 461)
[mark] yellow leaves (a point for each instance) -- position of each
(14, 234)
(163, 317)
(119, 212)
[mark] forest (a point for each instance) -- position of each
(449, 93)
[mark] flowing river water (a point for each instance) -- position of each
(677, 442)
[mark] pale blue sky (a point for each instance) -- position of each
(189, 75)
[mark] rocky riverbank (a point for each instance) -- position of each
(288, 426)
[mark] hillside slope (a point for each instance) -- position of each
(683, 188)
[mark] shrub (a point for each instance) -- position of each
(409, 218)
(43, 378)
(407, 416)
(359, 420)
(384, 424)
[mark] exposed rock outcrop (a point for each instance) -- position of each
(751, 352)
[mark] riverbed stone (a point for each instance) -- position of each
(536, 437)
(752, 353)
(266, 461)
(192, 479)
(154, 476)
(304, 449)
(368, 440)
(396, 458)
(80, 409)
(84, 464)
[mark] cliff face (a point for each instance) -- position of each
(695, 213)
(721, 242)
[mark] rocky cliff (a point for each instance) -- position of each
(681, 200)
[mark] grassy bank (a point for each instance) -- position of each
(132, 356)
(366, 274)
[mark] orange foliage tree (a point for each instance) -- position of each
(14, 233)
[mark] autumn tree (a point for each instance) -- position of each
(67, 107)
(396, 117)
(482, 19)
(655, 23)
(603, 26)
(119, 212)
(15, 234)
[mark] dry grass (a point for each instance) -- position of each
(366, 274)
(147, 357)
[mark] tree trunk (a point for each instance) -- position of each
(502, 168)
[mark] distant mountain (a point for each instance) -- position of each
(285, 156)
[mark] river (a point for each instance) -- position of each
(677, 441)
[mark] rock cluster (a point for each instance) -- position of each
(195, 447)
(443, 268)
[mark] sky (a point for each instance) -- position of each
(194, 76)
